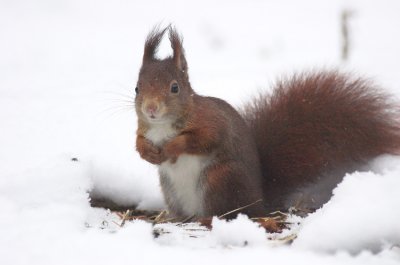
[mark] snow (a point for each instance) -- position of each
(68, 70)
(227, 235)
(364, 209)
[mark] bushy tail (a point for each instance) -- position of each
(313, 129)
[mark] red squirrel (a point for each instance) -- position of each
(287, 149)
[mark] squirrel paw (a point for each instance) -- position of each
(173, 149)
(151, 153)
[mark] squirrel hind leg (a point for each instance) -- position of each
(230, 190)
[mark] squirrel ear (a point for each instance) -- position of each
(179, 53)
(152, 42)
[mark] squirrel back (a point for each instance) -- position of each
(313, 129)
(288, 149)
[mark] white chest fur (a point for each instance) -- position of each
(158, 134)
(181, 181)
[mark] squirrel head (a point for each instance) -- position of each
(163, 91)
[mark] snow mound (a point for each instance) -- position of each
(238, 232)
(362, 215)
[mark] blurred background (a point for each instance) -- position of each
(68, 68)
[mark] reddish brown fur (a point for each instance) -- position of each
(311, 131)
(234, 178)
(319, 125)
(148, 151)
(206, 126)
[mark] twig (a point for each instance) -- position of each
(344, 21)
(160, 217)
(240, 208)
(124, 217)
(278, 212)
(188, 219)
(117, 223)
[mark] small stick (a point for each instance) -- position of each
(345, 32)
(188, 218)
(125, 217)
(279, 212)
(288, 239)
(240, 208)
(117, 223)
(160, 216)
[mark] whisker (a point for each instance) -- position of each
(120, 94)
(128, 88)
(118, 102)
(114, 110)
(123, 101)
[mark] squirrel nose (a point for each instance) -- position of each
(151, 109)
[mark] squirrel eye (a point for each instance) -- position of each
(174, 88)
(136, 90)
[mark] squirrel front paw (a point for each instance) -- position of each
(174, 148)
(155, 157)
(149, 152)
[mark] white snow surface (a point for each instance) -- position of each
(67, 76)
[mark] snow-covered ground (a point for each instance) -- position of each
(67, 73)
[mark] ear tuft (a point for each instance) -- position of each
(152, 42)
(179, 53)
